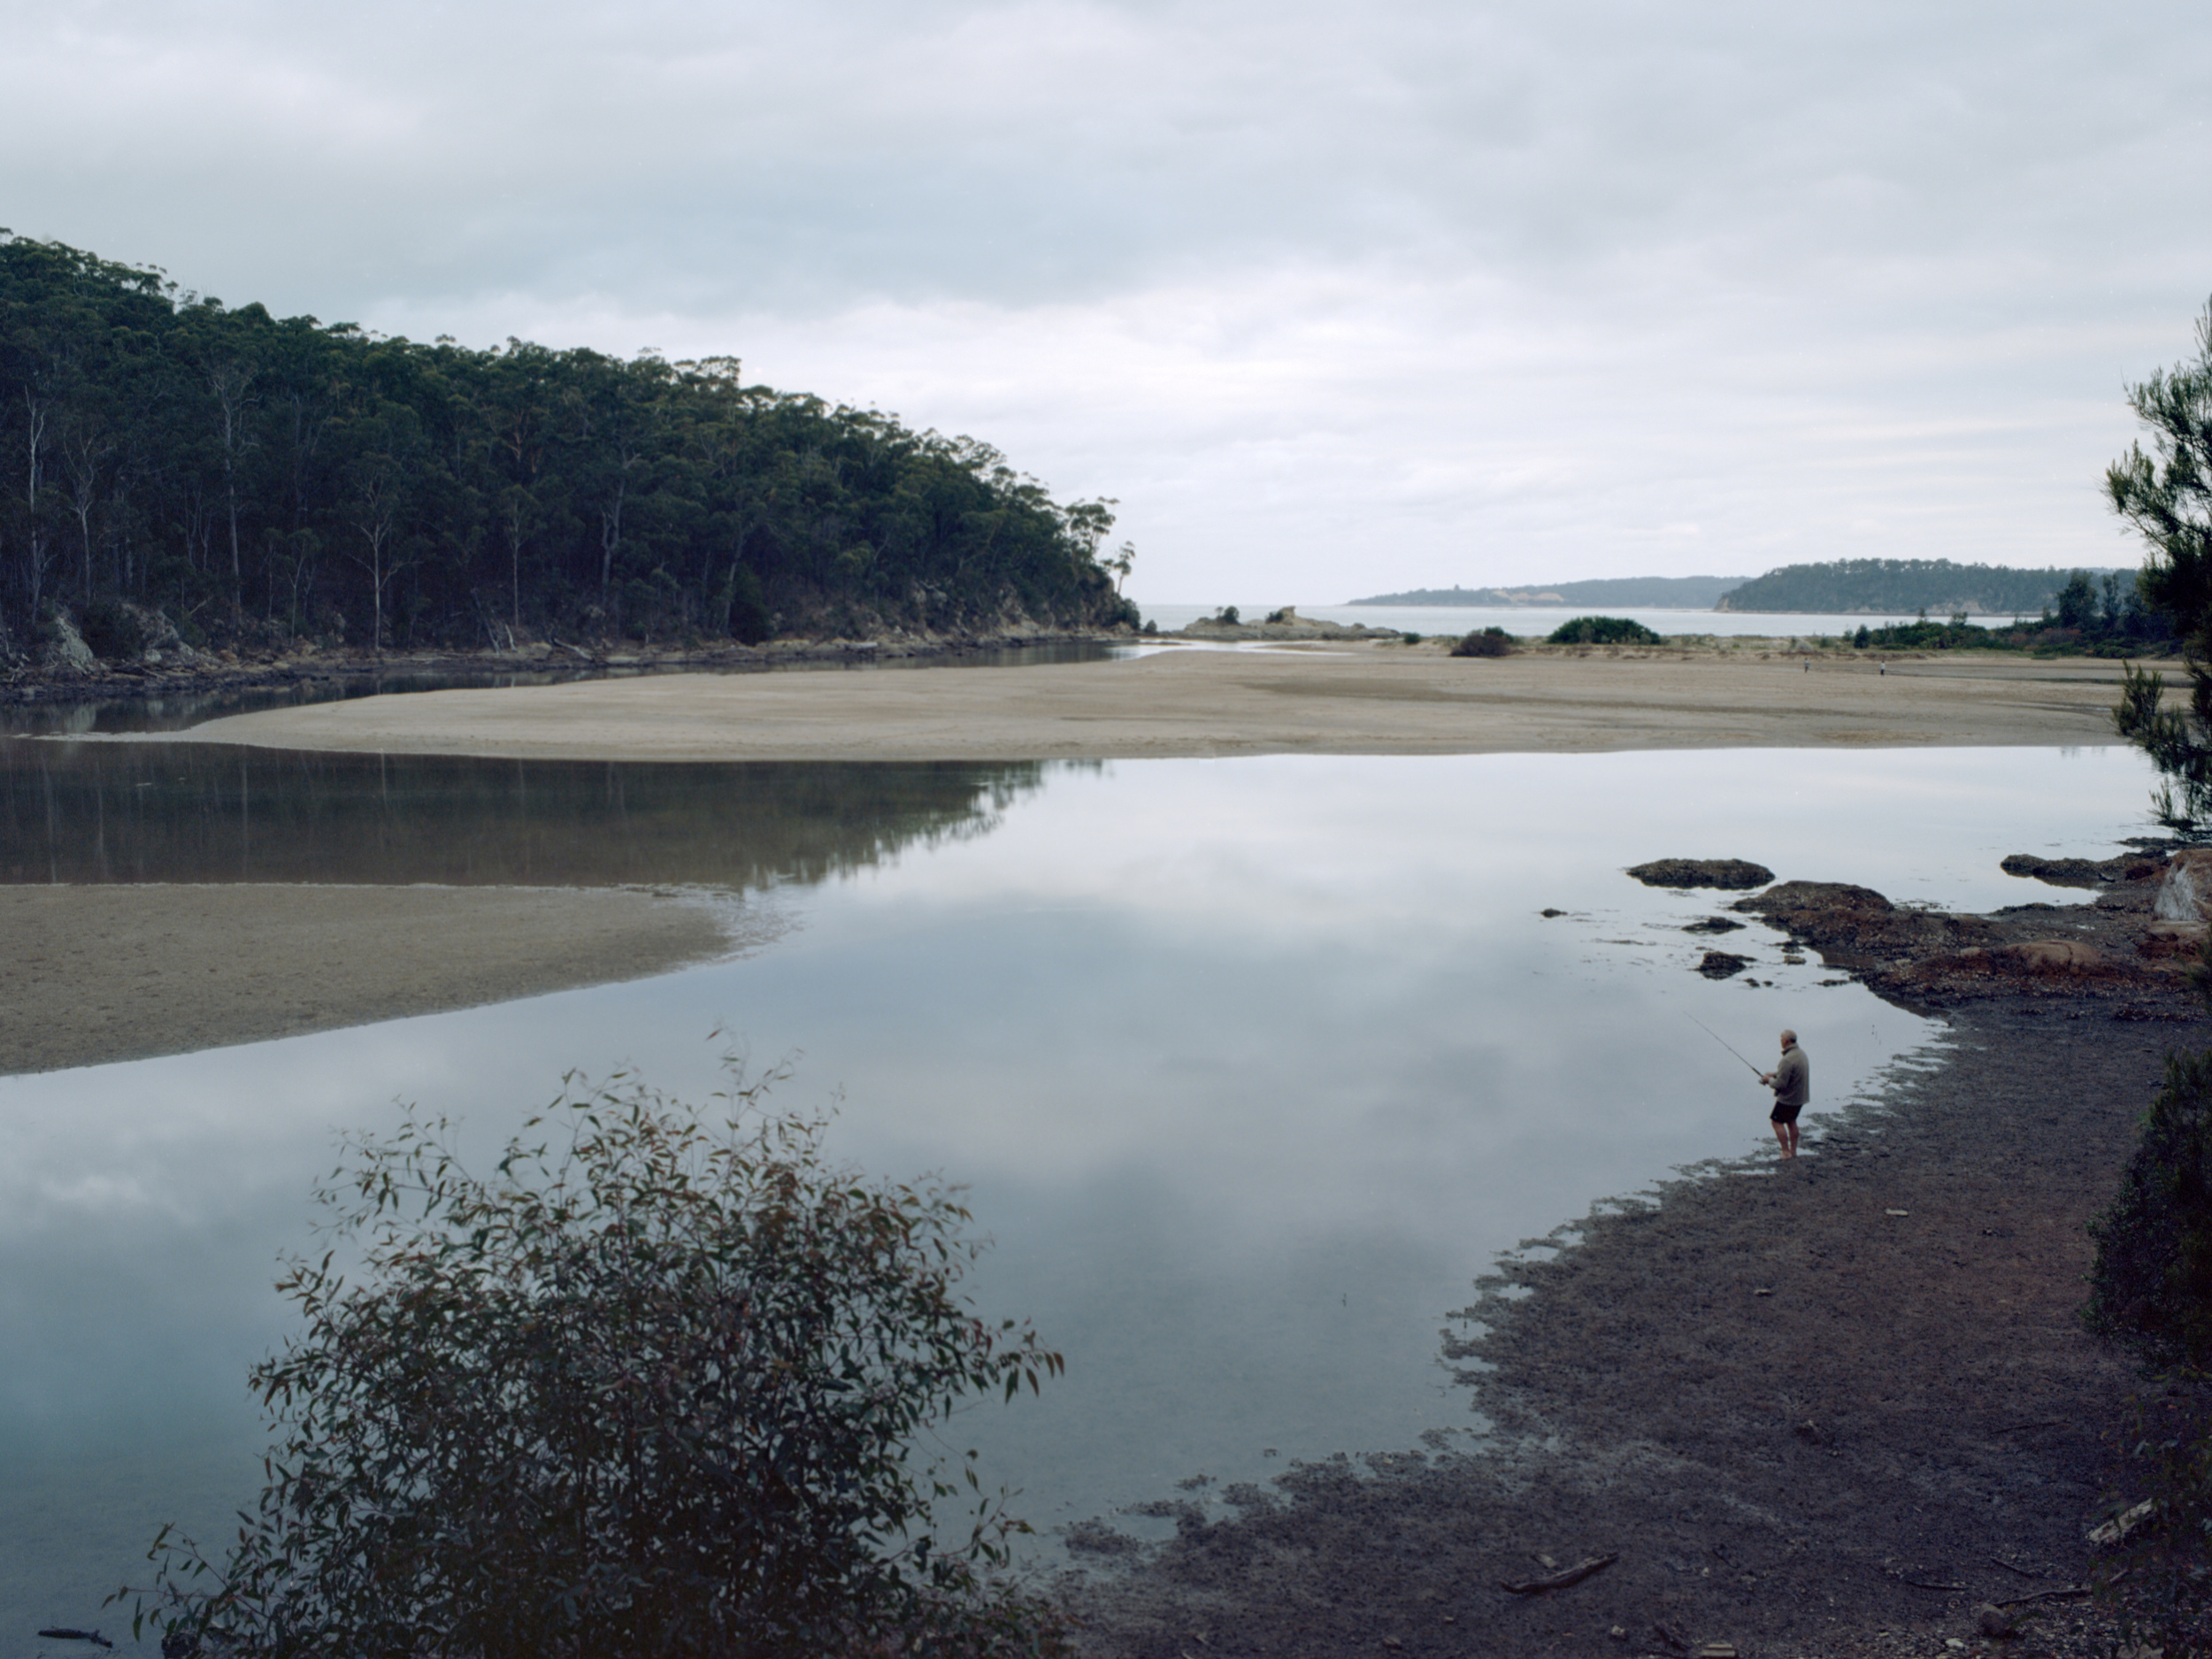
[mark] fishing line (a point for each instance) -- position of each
(1718, 1038)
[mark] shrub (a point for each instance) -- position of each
(1484, 642)
(653, 1386)
(1227, 614)
(2157, 1573)
(1602, 631)
(110, 630)
(2151, 1289)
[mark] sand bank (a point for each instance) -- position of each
(94, 974)
(1362, 700)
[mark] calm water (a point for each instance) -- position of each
(1251, 1066)
(172, 711)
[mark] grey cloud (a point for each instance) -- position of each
(1398, 284)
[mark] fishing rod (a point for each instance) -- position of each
(1718, 1038)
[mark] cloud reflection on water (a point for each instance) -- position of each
(1251, 1067)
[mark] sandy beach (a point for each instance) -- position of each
(112, 972)
(1362, 700)
(95, 974)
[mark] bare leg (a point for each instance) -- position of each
(1786, 1133)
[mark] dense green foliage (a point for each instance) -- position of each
(1687, 593)
(2151, 1293)
(2151, 1289)
(2099, 615)
(1602, 631)
(2157, 1579)
(258, 477)
(1491, 641)
(2165, 494)
(1900, 585)
(654, 1386)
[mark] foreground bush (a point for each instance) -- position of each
(2151, 1292)
(1484, 642)
(654, 1386)
(2151, 1289)
(1602, 631)
(2156, 1577)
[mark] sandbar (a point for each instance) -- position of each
(99, 973)
(1362, 700)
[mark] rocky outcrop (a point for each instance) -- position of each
(63, 649)
(1722, 965)
(1790, 897)
(2111, 951)
(2080, 873)
(2185, 893)
(1702, 872)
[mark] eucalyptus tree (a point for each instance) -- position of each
(2164, 493)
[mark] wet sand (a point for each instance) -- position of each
(94, 974)
(1362, 700)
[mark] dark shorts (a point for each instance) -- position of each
(1782, 1114)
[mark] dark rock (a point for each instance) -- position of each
(1713, 925)
(1719, 965)
(1548, 915)
(1095, 1538)
(2070, 872)
(1702, 872)
(1787, 897)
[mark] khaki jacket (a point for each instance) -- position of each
(1792, 1078)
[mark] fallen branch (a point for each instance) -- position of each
(1921, 1584)
(1575, 1574)
(2072, 1592)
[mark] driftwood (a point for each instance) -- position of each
(2073, 1592)
(63, 1633)
(1575, 1574)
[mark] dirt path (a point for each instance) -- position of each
(1360, 700)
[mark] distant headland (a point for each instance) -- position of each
(1838, 588)
(1679, 593)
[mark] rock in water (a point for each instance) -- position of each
(1719, 965)
(1713, 925)
(1702, 872)
(1813, 896)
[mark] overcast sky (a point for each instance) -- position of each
(1335, 299)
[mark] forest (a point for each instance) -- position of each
(252, 480)
(1898, 586)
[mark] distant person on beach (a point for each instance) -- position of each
(1791, 1081)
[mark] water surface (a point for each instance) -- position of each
(1250, 1066)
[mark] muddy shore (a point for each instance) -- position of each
(1830, 1408)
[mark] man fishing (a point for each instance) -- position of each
(1791, 1081)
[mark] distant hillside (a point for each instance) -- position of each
(1679, 593)
(1899, 586)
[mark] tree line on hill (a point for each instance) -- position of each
(1685, 593)
(1897, 586)
(255, 478)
